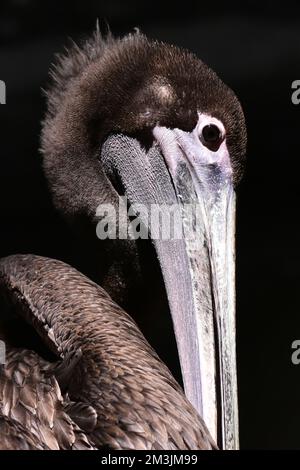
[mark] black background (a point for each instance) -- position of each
(255, 48)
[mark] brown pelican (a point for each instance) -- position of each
(149, 121)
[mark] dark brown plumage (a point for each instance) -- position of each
(107, 378)
(34, 413)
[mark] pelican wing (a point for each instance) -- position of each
(34, 414)
(79, 374)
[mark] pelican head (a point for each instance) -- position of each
(151, 122)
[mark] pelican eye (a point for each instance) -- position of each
(211, 136)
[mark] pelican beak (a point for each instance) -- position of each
(197, 257)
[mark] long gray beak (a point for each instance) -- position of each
(191, 186)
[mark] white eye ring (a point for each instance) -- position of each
(211, 132)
